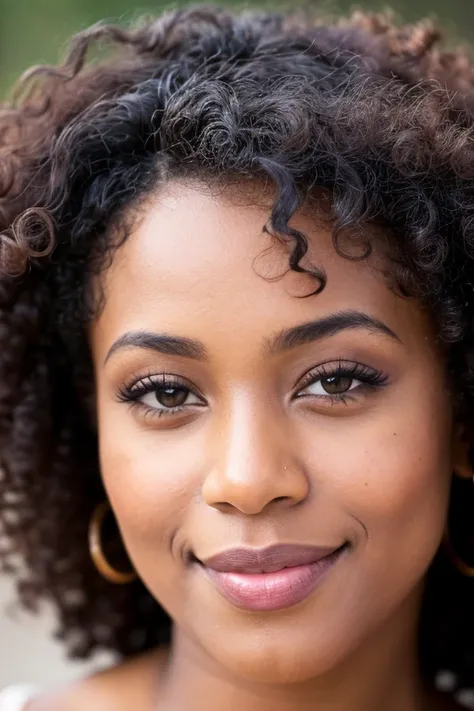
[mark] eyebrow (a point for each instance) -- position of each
(286, 340)
(160, 343)
(326, 327)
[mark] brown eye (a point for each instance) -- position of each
(336, 385)
(171, 397)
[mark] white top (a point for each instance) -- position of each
(15, 698)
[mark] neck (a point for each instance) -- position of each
(383, 672)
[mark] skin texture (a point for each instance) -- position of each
(257, 457)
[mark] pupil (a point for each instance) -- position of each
(172, 397)
(336, 385)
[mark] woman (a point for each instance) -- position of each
(237, 304)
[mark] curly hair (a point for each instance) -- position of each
(373, 112)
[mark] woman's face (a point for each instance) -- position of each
(233, 414)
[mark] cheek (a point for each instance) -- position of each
(391, 475)
(407, 475)
(150, 480)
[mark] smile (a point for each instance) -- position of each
(259, 582)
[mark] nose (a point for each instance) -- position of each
(255, 462)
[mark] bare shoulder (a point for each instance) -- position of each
(133, 684)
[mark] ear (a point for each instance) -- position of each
(462, 452)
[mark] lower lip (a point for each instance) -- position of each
(265, 592)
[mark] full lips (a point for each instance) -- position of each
(267, 592)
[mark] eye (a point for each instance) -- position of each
(169, 398)
(160, 394)
(340, 381)
(333, 385)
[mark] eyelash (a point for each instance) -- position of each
(131, 394)
(369, 378)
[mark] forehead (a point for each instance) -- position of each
(197, 260)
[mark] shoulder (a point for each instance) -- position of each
(133, 684)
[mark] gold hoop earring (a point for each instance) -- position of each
(456, 560)
(96, 552)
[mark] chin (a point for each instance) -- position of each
(261, 660)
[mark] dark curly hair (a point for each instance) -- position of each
(372, 112)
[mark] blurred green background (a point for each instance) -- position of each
(33, 31)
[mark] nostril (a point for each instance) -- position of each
(281, 498)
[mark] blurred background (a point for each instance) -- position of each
(33, 31)
(36, 31)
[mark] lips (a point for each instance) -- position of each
(271, 578)
(265, 560)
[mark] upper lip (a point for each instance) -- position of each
(265, 560)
